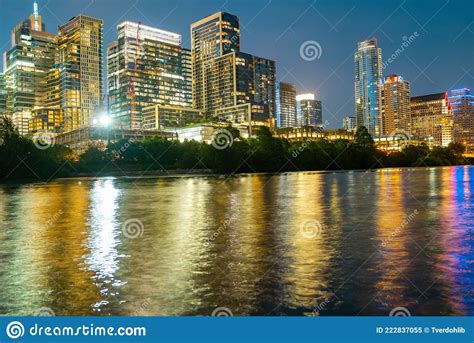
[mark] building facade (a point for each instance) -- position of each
(3, 95)
(211, 37)
(187, 72)
(286, 105)
(394, 106)
(349, 124)
(432, 116)
(265, 87)
(158, 117)
(224, 77)
(462, 103)
(27, 63)
(146, 66)
(368, 74)
(80, 65)
(46, 119)
(308, 111)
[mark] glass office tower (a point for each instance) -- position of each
(146, 66)
(26, 66)
(211, 37)
(80, 65)
(394, 105)
(462, 103)
(286, 105)
(432, 116)
(225, 79)
(309, 111)
(3, 95)
(368, 74)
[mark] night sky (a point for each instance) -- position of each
(440, 58)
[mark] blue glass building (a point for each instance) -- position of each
(368, 75)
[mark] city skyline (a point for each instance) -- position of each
(324, 76)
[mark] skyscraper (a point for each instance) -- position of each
(463, 116)
(265, 85)
(3, 95)
(226, 80)
(349, 124)
(432, 116)
(368, 74)
(26, 67)
(211, 37)
(394, 105)
(80, 65)
(146, 66)
(286, 105)
(187, 72)
(309, 110)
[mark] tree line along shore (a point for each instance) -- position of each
(20, 158)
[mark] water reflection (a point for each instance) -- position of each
(103, 239)
(399, 237)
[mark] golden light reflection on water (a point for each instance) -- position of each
(392, 234)
(237, 242)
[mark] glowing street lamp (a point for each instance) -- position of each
(104, 121)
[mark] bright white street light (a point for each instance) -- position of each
(105, 120)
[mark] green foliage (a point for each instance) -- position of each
(21, 159)
(262, 153)
(363, 137)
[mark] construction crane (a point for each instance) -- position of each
(131, 80)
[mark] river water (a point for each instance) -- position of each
(342, 243)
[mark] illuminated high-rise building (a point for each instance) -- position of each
(187, 72)
(225, 79)
(432, 116)
(394, 105)
(309, 111)
(462, 103)
(80, 65)
(211, 37)
(368, 75)
(349, 124)
(3, 95)
(26, 65)
(265, 87)
(286, 105)
(146, 66)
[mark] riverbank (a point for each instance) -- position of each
(21, 158)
